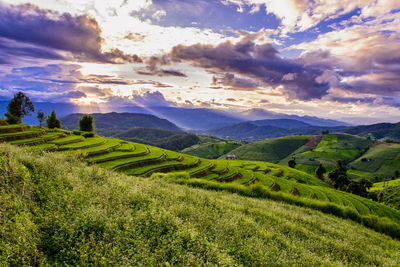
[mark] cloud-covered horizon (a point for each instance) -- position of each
(334, 59)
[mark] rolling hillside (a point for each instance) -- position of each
(56, 210)
(364, 158)
(327, 149)
(381, 160)
(167, 139)
(117, 120)
(273, 150)
(212, 150)
(248, 178)
(388, 192)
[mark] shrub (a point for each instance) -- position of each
(292, 163)
(89, 134)
(373, 196)
(76, 132)
(86, 123)
(3, 122)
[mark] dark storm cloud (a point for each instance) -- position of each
(161, 73)
(78, 35)
(260, 63)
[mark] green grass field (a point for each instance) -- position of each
(57, 211)
(240, 176)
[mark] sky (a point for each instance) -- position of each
(332, 59)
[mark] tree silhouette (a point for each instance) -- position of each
(19, 107)
(292, 163)
(320, 171)
(41, 117)
(339, 176)
(86, 123)
(52, 121)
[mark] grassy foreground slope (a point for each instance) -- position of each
(57, 210)
(249, 178)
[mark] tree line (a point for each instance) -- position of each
(21, 106)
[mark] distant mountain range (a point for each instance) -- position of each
(262, 114)
(194, 119)
(266, 129)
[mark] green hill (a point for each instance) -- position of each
(211, 150)
(117, 120)
(381, 160)
(388, 192)
(327, 149)
(364, 157)
(167, 139)
(56, 210)
(272, 150)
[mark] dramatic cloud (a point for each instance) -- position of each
(161, 72)
(261, 63)
(80, 36)
(151, 99)
(366, 62)
(229, 79)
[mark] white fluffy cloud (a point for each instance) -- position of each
(300, 15)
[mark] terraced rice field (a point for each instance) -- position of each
(144, 160)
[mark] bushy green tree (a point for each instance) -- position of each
(320, 171)
(86, 123)
(52, 121)
(19, 107)
(292, 163)
(41, 117)
(359, 187)
(339, 176)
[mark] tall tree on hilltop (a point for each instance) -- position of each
(86, 123)
(52, 121)
(19, 107)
